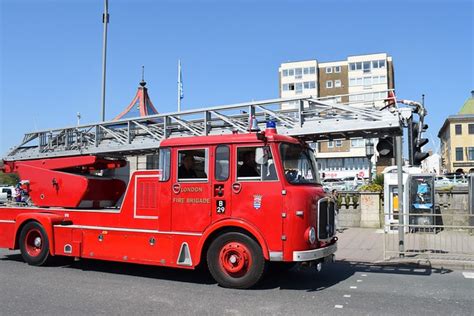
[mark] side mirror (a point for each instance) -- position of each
(260, 156)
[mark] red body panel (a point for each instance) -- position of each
(159, 220)
(62, 182)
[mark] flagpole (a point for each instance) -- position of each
(105, 21)
(179, 85)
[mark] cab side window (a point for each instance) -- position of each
(222, 163)
(253, 166)
(193, 165)
(164, 163)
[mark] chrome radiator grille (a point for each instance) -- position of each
(326, 219)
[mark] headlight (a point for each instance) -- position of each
(310, 235)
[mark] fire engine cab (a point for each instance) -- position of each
(236, 203)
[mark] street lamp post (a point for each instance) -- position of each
(105, 21)
(369, 152)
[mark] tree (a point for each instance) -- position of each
(9, 178)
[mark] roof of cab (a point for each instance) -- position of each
(225, 139)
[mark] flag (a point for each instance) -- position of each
(180, 81)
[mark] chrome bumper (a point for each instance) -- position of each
(314, 254)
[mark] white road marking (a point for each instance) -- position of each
(347, 295)
(468, 275)
(353, 287)
(338, 306)
(359, 280)
(364, 274)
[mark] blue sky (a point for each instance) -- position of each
(230, 52)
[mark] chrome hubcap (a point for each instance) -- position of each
(37, 242)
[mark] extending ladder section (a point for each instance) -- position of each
(311, 119)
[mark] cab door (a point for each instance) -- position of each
(257, 193)
(191, 189)
(221, 205)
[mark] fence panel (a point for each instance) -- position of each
(436, 237)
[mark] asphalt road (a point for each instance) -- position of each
(96, 287)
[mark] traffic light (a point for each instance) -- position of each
(385, 147)
(418, 142)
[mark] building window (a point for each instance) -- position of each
(470, 128)
(337, 83)
(306, 71)
(299, 88)
(378, 64)
(458, 129)
(338, 143)
(285, 72)
(285, 87)
(357, 143)
(366, 66)
(291, 72)
(329, 84)
(291, 86)
(298, 73)
(459, 154)
(355, 66)
(330, 144)
(152, 162)
(470, 153)
(312, 70)
(367, 81)
(329, 70)
(369, 97)
(309, 85)
(337, 69)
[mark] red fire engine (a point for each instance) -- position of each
(235, 203)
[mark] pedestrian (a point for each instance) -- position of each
(334, 196)
(18, 193)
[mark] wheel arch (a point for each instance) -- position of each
(46, 220)
(226, 226)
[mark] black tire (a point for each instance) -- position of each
(34, 251)
(235, 260)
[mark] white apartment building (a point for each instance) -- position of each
(361, 80)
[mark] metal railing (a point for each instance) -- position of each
(447, 237)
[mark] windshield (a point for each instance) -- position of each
(298, 164)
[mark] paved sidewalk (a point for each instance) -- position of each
(366, 245)
(360, 245)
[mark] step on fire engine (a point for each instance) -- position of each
(222, 194)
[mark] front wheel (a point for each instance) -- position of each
(235, 260)
(34, 244)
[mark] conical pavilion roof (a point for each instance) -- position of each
(140, 106)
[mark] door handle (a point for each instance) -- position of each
(236, 187)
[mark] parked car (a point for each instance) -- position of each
(6, 194)
(333, 184)
(352, 183)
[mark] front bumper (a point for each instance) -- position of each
(314, 254)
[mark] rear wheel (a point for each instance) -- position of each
(235, 260)
(34, 244)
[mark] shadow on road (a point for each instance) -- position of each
(298, 278)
